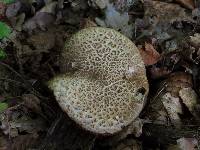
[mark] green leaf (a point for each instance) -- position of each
(2, 54)
(3, 106)
(7, 1)
(4, 30)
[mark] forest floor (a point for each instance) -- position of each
(32, 35)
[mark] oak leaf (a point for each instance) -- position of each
(149, 55)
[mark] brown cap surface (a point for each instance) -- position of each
(109, 89)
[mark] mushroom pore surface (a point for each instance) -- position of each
(108, 90)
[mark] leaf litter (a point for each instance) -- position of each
(32, 35)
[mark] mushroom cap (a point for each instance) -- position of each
(103, 51)
(109, 88)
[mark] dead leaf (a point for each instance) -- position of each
(195, 40)
(187, 143)
(180, 77)
(49, 8)
(42, 18)
(128, 144)
(2, 10)
(191, 50)
(13, 9)
(190, 98)
(78, 5)
(149, 54)
(42, 41)
(15, 121)
(186, 3)
(19, 21)
(173, 106)
(116, 20)
(124, 5)
(102, 4)
(165, 66)
(157, 72)
(165, 12)
(177, 81)
(87, 22)
(32, 102)
(167, 103)
(4, 143)
(24, 142)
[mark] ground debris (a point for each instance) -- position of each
(149, 54)
(165, 31)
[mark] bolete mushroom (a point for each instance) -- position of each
(109, 87)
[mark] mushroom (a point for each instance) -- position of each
(107, 88)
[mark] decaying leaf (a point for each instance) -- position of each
(179, 90)
(177, 81)
(35, 57)
(173, 95)
(165, 66)
(195, 40)
(190, 99)
(42, 18)
(98, 3)
(78, 5)
(32, 102)
(43, 41)
(4, 143)
(118, 21)
(24, 142)
(49, 8)
(13, 9)
(165, 12)
(14, 122)
(87, 22)
(187, 3)
(187, 143)
(2, 10)
(173, 107)
(149, 54)
(128, 144)
(191, 50)
(157, 72)
(124, 5)
(19, 20)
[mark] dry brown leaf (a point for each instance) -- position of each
(177, 81)
(187, 3)
(169, 100)
(195, 40)
(149, 55)
(87, 22)
(166, 12)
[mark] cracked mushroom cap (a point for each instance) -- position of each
(109, 88)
